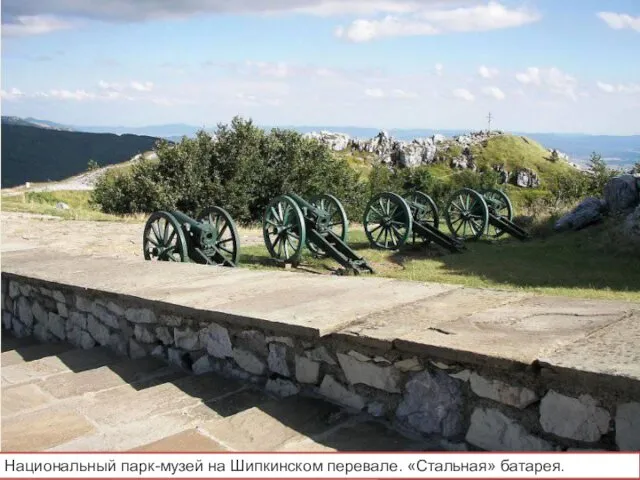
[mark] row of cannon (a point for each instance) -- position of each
(291, 223)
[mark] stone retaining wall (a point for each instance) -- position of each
(467, 407)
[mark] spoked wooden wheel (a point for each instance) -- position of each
(387, 221)
(224, 249)
(283, 229)
(334, 220)
(500, 206)
(163, 239)
(467, 214)
(423, 211)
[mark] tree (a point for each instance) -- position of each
(635, 170)
(600, 174)
(92, 165)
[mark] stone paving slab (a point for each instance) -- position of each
(475, 326)
(187, 441)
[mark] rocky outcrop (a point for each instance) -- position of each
(621, 193)
(455, 151)
(588, 212)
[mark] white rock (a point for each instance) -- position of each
(491, 430)
(62, 310)
(83, 304)
(217, 342)
(358, 356)
(519, 397)
(307, 371)
(136, 350)
(140, 315)
(62, 206)
(56, 326)
(575, 418)
(186, 339)
(39, 313)
(58, 296)
(380, 359)
(115, 309)
(320, 354)
(277, 359)
(77, 320)
(628, 427)
(248, 361)
(25, 290)
(164, 335)
(333, 390)
(464, 375)
(202, 365)
(25, 314)
(98, 331)
(14, 289)
(367, 373)
(408, 365)
(286, 340)
(281, 387)
(143, 334)
(101, 313)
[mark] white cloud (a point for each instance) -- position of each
(12, 94)
(71, 95)
(463, 94)
(494, 92)
(620, 88)
(439, 69)
(429, 21)
(620, 21)
(374, 92)
(487, 72)
(267, 69)
(398, 93)
(25, 25)
(551, 79)
(142, 87)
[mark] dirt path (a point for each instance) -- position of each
(84, 237)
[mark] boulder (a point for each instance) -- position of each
(632, 224)
(526, 178)
(622, 193)
(588, 212)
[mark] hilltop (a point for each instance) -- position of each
(42, 153)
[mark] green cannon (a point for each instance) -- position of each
(391, 221)
(212, 239)
(471, 214)
(290, 223)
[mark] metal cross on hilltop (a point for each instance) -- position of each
(489, 117)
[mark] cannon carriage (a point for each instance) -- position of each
(290, 223)
(391, 221)
(210, 239)
(472, 214)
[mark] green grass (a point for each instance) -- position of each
(361, 162)
(594, 263)
(44, 203)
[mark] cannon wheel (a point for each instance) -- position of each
(338, 222)
(228, 240)
(163, 239)
(284, 230)
(503, 209)
(423, 210)
(387, 221)
(467, 214)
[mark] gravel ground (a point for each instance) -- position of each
(84, 237)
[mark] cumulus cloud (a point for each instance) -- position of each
(487, 72)
(439, 69)
(374, 92)
(11, 94)
(430, 21)
(620, 88)
(71, 95)
(463, 94)
(27, 25)
(620, 21)
(142, 87)
(494, 92)
(551, 79)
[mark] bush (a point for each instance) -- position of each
(241, 171)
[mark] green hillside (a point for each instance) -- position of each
(32, 154)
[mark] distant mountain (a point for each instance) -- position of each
(34, 122)
(42, 153)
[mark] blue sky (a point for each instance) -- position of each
(536, 65)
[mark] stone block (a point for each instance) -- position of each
(215, 339)
(628, 427)
(575, 418)
(307, 371)
(248, 361)
(277, 359)
(335, 391)
(385, 378)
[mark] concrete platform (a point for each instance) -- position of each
(477, 326)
